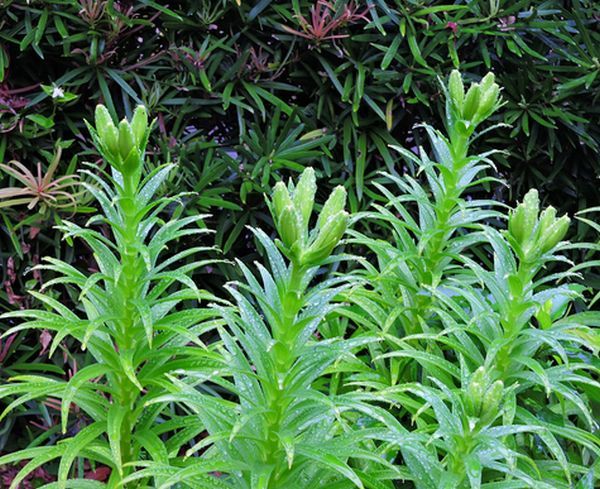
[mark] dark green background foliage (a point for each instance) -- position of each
(240, 97)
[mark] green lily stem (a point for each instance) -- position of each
(284, 358)
(459, 148)
(434, 252)
(464, 447)
(510, 323)
(291, 304)
(128, 286)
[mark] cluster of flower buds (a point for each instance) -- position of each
(483, 397)
(533, 234)
(292, 209)
(467, 110)
(123, 146)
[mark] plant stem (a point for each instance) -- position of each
(510, 323)
(128, 290)
(284, 357)
(445, 207)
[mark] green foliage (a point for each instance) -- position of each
(128, 317)
(490, 355)
(247, 93)
(454, 346)
(281, 430)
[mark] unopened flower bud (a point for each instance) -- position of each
(491, 401)
(515, 224)
(139, 124)
(487, 102)
(334, 204)
(289, 226)
(523, 219)
(103, 120)
(107, 132)
(487, 82)
(111, 141)
(126, 139)
(304, 195)
(555, 233)
(456, 90)
(547, 218)
(280, 199)
(328, 238)
(531, 201)
(471, 102)
(476, 389)
(132, 162)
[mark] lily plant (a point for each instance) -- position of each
(129, 320)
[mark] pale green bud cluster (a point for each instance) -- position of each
(469, 109)
(534, 234)
(483, 397)
(124, 145)
(292, 209)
